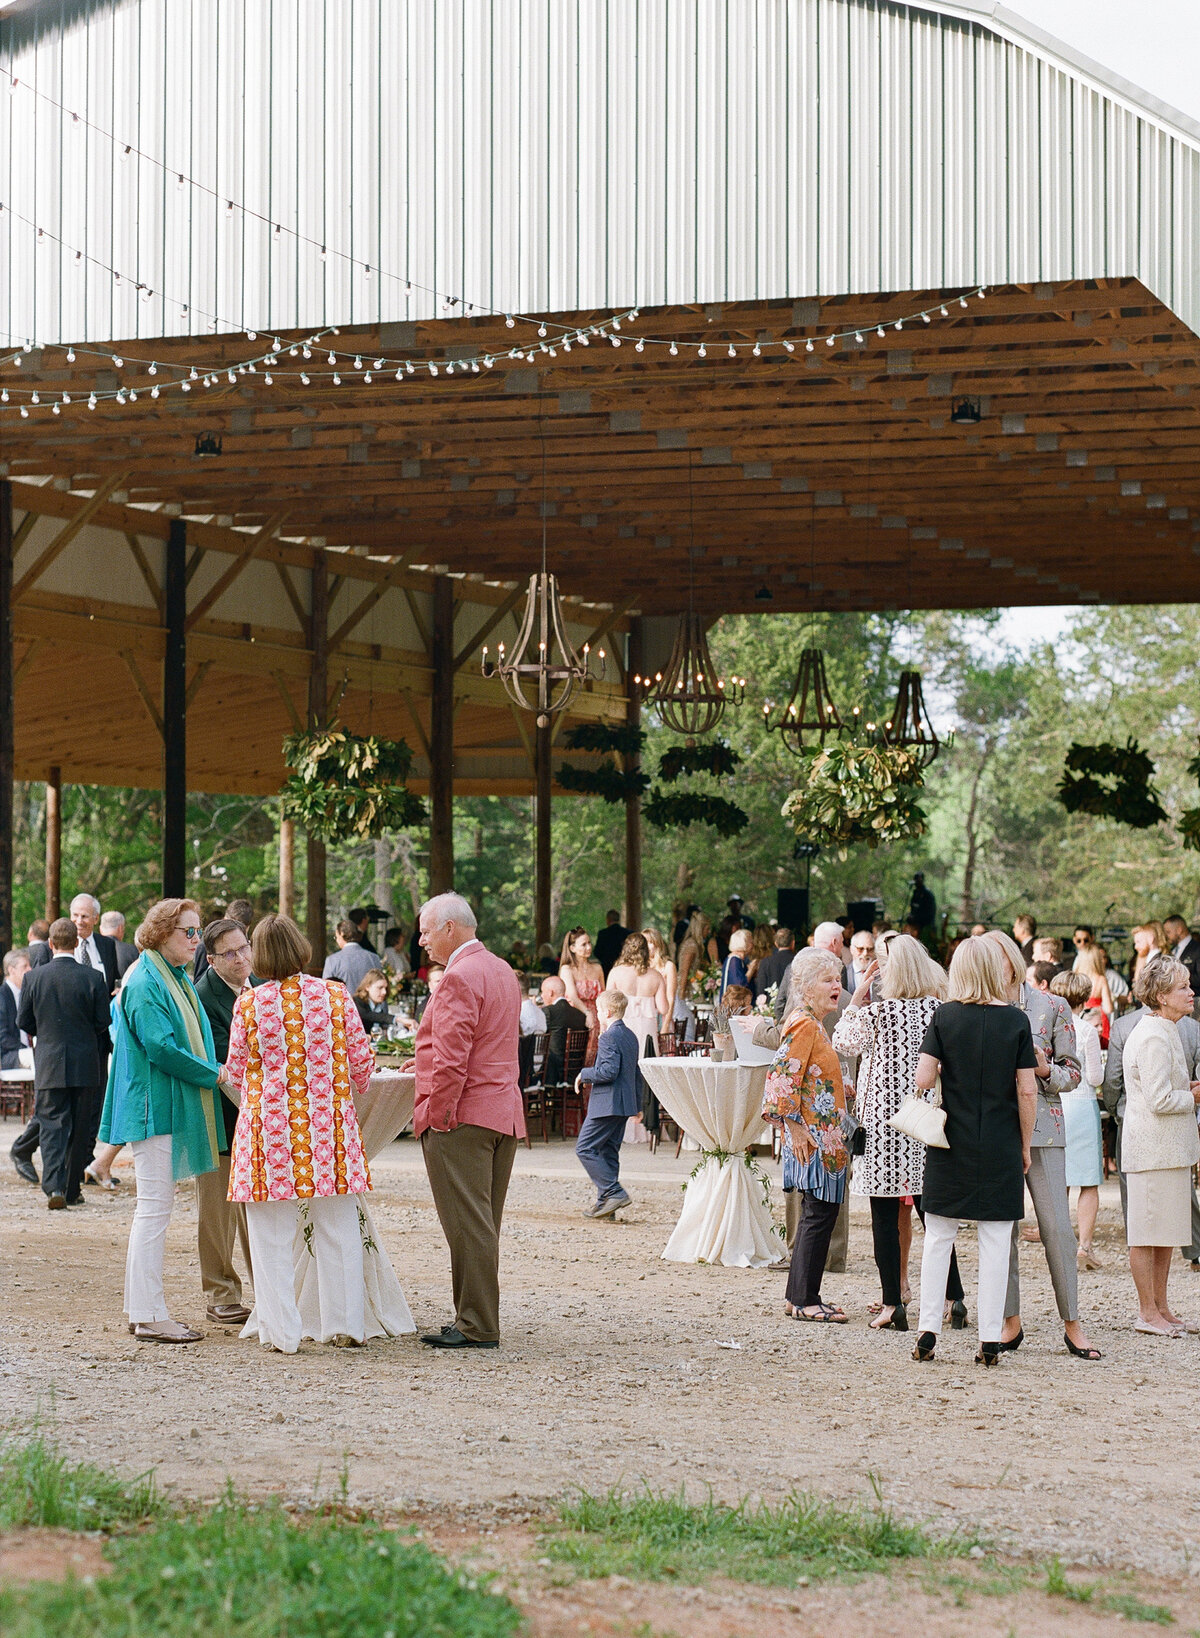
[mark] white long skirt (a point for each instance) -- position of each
(320, 1273)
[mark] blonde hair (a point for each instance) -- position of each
(979, 972)
(807, 970)
(1011, 951)
(1075, 989)
(741, 942)
(614, 1002)
(1092, 960)
(699, 930)
(656, 944)
(161, 921)
(1157, 977)
(911, 972)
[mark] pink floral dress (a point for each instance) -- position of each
(298, 1050)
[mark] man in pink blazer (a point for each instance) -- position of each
(468, 1114)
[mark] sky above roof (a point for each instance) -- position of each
(1153, 43)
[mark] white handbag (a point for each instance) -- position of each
(921, 1120)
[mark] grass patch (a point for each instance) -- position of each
(39, 1487)
(651, 1537)
(237, 1569)
(1125, 1604)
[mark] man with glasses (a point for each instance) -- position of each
(862, 954)
(220, 1222)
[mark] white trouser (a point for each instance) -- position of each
(994, 1241)
(145, 1302)
(336, 1245)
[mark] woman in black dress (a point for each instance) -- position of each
(371, 1000)
(984, 1050)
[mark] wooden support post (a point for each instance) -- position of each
(287, 867)
(54, 844)
(633, 804)
(174, 715)
(542, 761)
(7, 743)
(316, 911)
(441, 741)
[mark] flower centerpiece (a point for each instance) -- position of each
(855, 793)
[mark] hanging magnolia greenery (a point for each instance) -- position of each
(347, 787)
(1127, 796)
(677, 811)
(717, 759)
(606, 780)
(1188, 823)
(606, 738)
(857, 793)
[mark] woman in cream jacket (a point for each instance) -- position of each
(1159, 1140)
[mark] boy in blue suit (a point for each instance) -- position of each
(614, 1097)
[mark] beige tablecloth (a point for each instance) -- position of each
(385, 1109)
(725, 1218)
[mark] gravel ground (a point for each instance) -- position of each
(611, 1370)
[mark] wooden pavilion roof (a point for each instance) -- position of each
(835, 479)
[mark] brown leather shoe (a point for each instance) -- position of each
(166, 1331)
(228, 1313)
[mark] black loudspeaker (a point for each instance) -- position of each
(791, 909)
(862, 913)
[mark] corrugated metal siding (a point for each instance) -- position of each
(561, 154)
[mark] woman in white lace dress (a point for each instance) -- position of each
(647, 1011)
(886, 1036)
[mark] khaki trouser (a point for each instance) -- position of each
(793, 1210)
(220, 1223)
(469, 1169)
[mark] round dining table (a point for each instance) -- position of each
(726, 1216)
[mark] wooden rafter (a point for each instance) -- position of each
(144, 694)
(488, 626)
(143, 563)
(254, 545)
(415, 718)
(293, 596)
(67, 534)
(414, 608)
(198, 676)
(285, 692)
(30, 650)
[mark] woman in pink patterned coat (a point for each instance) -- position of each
(297, 1052)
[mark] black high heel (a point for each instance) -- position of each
(898, 1321)
(926, 1343)
(958, 1315)
(1011, 1347)
(1081, 1353)
(989, 1353)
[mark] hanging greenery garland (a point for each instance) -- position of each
(1129, 797)
(347, 787)
(607, 781)
(854, 793)
(717, 759)
(678, 810)
(606, 738)
(1188, 823)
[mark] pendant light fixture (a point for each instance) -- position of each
(910, 727)
(689, 695)
(809, 710)
(543, 672)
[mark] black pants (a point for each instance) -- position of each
(64, 1122)
(810, 1251)
(26, 1144)
(885, 1231)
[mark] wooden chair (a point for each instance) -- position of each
(535, 1095)
(571, 1106)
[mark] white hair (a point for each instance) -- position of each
(826, 934)
(450, 907)
(87, 898)
(112, 921)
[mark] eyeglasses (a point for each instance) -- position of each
(190, 933)
(230, 955)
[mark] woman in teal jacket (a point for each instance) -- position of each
(164, 1087)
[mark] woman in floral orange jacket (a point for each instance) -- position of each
(806, 1100)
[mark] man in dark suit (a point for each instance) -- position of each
(1185, 948)
(560, 1016)
(609, 941)
(12, 1046)
(112, 925)
(219, 1222)
(773, 969)
(64, 1008)
(93, 948)
(239, 910)
(613, 1079)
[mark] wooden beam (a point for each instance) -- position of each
(416, 722)
(236, 568)
(293, 595)
(174, 715)
(66, 535)
(316, 901)
(419, 620)
(144, 694)
(360, 613)
(7, 725)
(198, 677)
(293, 714)
(53, 905)
(143, 563)
(31, 649)
(519, 719)
(22, 531)
(488, 626)
(441, 741)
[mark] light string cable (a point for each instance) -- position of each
(130, 150)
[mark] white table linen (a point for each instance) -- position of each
(384, 1110)
(725, 1218)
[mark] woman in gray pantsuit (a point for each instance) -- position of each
(1057, 1072)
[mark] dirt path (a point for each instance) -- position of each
(611, 1371)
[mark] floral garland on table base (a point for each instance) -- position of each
(346, 787)
(722, 1158)
(1130, 798)
(857, 793)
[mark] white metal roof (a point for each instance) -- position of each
(529, 155)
